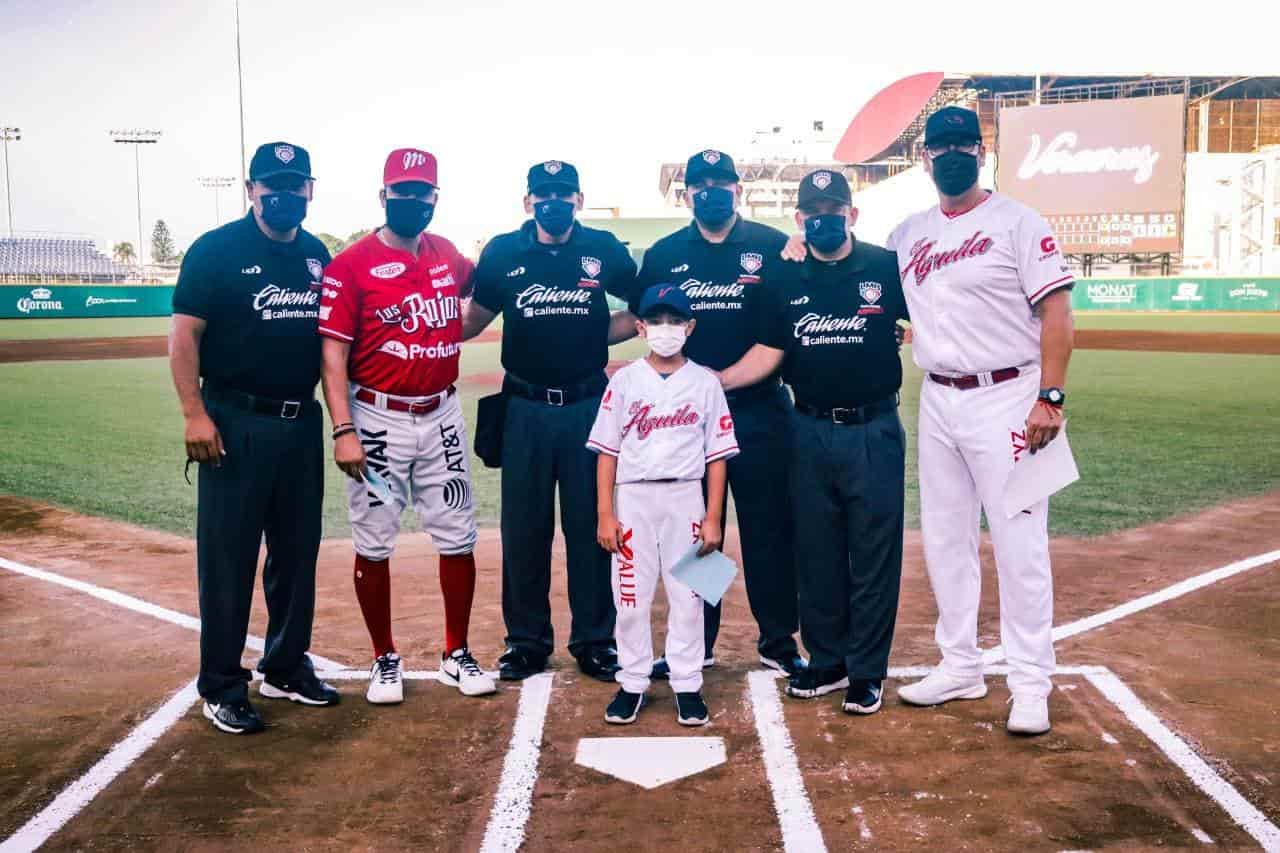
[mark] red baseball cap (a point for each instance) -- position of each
(409, 164)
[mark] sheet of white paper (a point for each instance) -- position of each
(1035, 478)
(708, 576)
(378, 486)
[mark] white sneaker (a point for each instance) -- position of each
(1028, 716)
(460, 670)
(386, 682)
(938, 687)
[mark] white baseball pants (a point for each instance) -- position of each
(426, 461)
(659, 521)
(968, 442)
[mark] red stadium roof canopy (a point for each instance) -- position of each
(889, 112)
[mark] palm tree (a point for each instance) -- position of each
(123, 252)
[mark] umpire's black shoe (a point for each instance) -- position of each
(237, 718)
(691, 710)
(814, 681)
(624, 708)
(863, 696)
(788, 664)
(516, 665)
(306, 688)
(601, 663)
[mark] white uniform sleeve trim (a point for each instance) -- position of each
(592, 444)
(1050, 287)
(333, 333)
(724, 454)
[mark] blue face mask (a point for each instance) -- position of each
(713, 206)
(555, 215)
(826, 232)
(283, 211)
(409, 217)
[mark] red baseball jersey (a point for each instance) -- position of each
(400, 314)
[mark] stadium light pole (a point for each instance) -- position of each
(9, 134)
(137, 138)
(244, 201)
(217, 184)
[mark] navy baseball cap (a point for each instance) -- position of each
(553, 175)
(280, 158)
(952, 124)
(824, 184)
(709, 164)
(667, 296)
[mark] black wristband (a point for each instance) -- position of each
(343, 430)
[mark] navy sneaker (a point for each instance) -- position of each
(863, 696)
(691, 710)
(601, 663)
(788, 664)
(814, 681)
(306, 688)
(624, 708)
(236, 718)
(516, 665)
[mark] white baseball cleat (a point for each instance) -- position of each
(938, 687)
(386, 681)
(1028, 716)
(460, 670)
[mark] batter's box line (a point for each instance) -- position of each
(799, 825)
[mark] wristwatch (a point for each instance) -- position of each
(1052, 396)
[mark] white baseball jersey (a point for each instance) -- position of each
(663, 429)
(971, 281)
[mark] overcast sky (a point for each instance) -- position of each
(614, 87)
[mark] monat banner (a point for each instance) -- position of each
(1185, 293)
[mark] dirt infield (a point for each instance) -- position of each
(422, 776)
(78, 349)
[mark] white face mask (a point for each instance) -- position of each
(665, 340)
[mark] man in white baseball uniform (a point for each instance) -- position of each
(663, 424)
(989, 296)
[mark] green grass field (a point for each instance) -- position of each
(1156, 434)
(1241, 323)
(107, 327)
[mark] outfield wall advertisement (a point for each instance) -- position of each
(1176, 294)
(55, 300)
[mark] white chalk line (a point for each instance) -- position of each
(81, 792)
(1196, 768)
(1146, 602)
(800, 831)
(513, 801)
(138, 605)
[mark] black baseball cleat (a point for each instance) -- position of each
(624, 708)
(789, 664)
(515, 665)
(691, 710)
(662, 670)
(237, 718)
(862, 696)
(814, 681)
(306, 688)
(601, 663)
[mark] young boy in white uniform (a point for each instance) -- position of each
(663, 425)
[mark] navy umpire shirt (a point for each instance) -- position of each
(835, 322)
(260, 300)
(716, 278)
(555, 317)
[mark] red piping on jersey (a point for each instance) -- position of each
(955, 213)
(717, 456)
(611, 451)
(1062, 280)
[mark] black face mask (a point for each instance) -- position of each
(409, 217)
(954, 173)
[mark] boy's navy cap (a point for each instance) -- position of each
(553, 174)
(280, 158)
(952, 124)
(824, 184)
(709, 164)
(667, 296)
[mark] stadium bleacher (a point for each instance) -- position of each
(24, 259)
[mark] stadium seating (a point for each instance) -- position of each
(28, 258)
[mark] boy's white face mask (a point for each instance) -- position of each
(665, 339)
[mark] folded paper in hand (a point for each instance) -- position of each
(1037, 476)
(380, 487)
(708, 576)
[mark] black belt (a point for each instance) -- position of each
(286, 409)
(850, 415)
(753, 392)
(591, 387)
